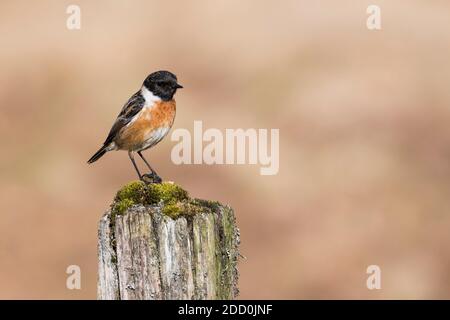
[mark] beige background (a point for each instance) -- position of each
(364, 137)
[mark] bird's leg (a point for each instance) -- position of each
(134, 164)
(148, 164)
(154, 176)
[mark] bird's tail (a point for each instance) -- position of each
(98, 154)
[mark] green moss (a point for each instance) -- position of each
(172, 210)
(213, 205)
(192, 208)
(166, 192)
(123, 205)
(184, 208)
(169, 195)
(134, 191)
(129, 195)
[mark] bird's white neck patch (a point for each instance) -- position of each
(149, 97)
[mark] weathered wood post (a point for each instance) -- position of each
(157, 243)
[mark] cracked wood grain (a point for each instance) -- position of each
(144, 254)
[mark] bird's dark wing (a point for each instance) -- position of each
(129, 110)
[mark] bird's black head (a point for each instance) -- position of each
(162, 84)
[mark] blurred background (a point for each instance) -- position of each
(364, 137)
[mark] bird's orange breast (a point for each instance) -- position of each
(147, 126)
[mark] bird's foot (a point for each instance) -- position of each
(151, 178)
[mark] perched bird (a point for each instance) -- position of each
(144, 120)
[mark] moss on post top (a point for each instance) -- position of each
(139, 192)
(173, 199)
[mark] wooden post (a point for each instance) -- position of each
(157, 243)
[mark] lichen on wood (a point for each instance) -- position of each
(158, 243)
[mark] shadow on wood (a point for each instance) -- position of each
(157, 243)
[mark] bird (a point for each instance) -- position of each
(144, 121)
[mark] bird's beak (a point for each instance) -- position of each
(179, 86)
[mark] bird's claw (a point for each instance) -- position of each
(151, 178)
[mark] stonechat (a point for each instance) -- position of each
(144, 120)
